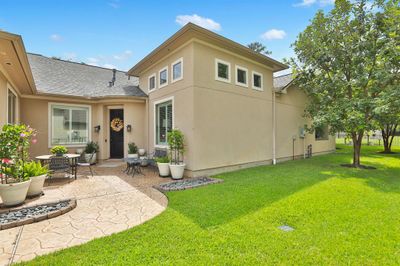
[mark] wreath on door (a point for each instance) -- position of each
(117, 124)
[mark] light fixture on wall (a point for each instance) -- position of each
(97, 128)
(128, 128)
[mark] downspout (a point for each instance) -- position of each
(273, 128)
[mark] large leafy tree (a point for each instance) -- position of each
(341, 64)
(259, 48)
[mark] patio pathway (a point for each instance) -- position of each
(107, 203)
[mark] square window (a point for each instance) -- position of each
(322, 133)
(257, 81)
(152, 82)
(177, 71)
(163, 77)
(241, 76)
(222, 70)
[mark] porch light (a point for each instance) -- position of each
(128, 128)
(97, 128)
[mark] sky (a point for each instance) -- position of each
(119, 33)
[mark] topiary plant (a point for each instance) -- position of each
(59, 150)
(132, 148)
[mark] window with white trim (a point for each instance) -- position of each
(163, 77)
(11, 107)
(257, 81)
(164, 121)
(241, 76)
(152, 82)
(222, 70)
(177, 70)
(69, 125)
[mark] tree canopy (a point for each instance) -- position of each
(259, 48)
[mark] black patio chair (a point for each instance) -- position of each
(82, 163)
(151, 159)
(59, 164)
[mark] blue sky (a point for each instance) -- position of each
(118, 33)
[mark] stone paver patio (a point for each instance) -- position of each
(107, 203)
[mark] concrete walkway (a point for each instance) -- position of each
(106, 204)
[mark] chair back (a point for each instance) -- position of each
(58, 163)
(160, 153)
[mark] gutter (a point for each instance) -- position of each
(273, 129)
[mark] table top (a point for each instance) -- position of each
(47, 157)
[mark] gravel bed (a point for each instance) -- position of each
(187, 183)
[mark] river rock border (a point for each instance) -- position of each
(187, 184)
(70, 206)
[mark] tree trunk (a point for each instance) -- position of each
(357, 140)
(388, 133)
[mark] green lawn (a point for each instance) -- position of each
(341, 216)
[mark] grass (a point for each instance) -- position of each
(340, 215)
(373, 141)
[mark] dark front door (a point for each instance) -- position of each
(116, 133)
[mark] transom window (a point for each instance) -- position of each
(222, 70)
(11, 107)
(257, 81)
(163, 77)
(177, 70)
(241, 76)
(152, 82)
(69, 125)
(164, 121)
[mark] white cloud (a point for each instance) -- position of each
(56, 37)
(123, 56)
(307, 3)
(198, 20)
(109, 66)
(273, 34)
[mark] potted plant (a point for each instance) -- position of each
(14, 145)
(132, 150)
(91, 149)
(37, 173)
(142, 152)
(163, 166)
(59, 150)
(176, 147)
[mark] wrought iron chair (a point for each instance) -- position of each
(59, 164)
(152, 158)
(82, 163)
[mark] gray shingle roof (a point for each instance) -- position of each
(282, 81)
(54, 76)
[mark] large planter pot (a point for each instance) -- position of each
(177, 170)
(142, 152)
(163, 169)
(133, 155)
(36, 186)
(87, 158)
(15, 193)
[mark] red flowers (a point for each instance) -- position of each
(6, 161)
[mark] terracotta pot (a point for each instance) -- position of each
(15, 193)
(36, 186)
(177, 170)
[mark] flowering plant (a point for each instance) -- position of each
(15, 141)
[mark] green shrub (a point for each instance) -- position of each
(91, 147)
(164, 159)
(176, 145)
(34, 169)
(132, 148)
(59, 150)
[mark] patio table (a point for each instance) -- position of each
(72, 157)
(133, 164)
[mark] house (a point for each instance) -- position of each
(222, 95)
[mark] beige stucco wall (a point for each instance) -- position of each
(181, 92)
(4, 87)
(34, 111)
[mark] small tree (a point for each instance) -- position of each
(259, 48)
(343, 63)
(176, 146)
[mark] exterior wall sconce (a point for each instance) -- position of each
(128, 128)
(97, 128)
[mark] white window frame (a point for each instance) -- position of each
(155, 82)
(9, 89)
(180, 60)
(155, 119)
(50, 123)
(237, 67)
(159, 79)
(252, 81)
(228, 80)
